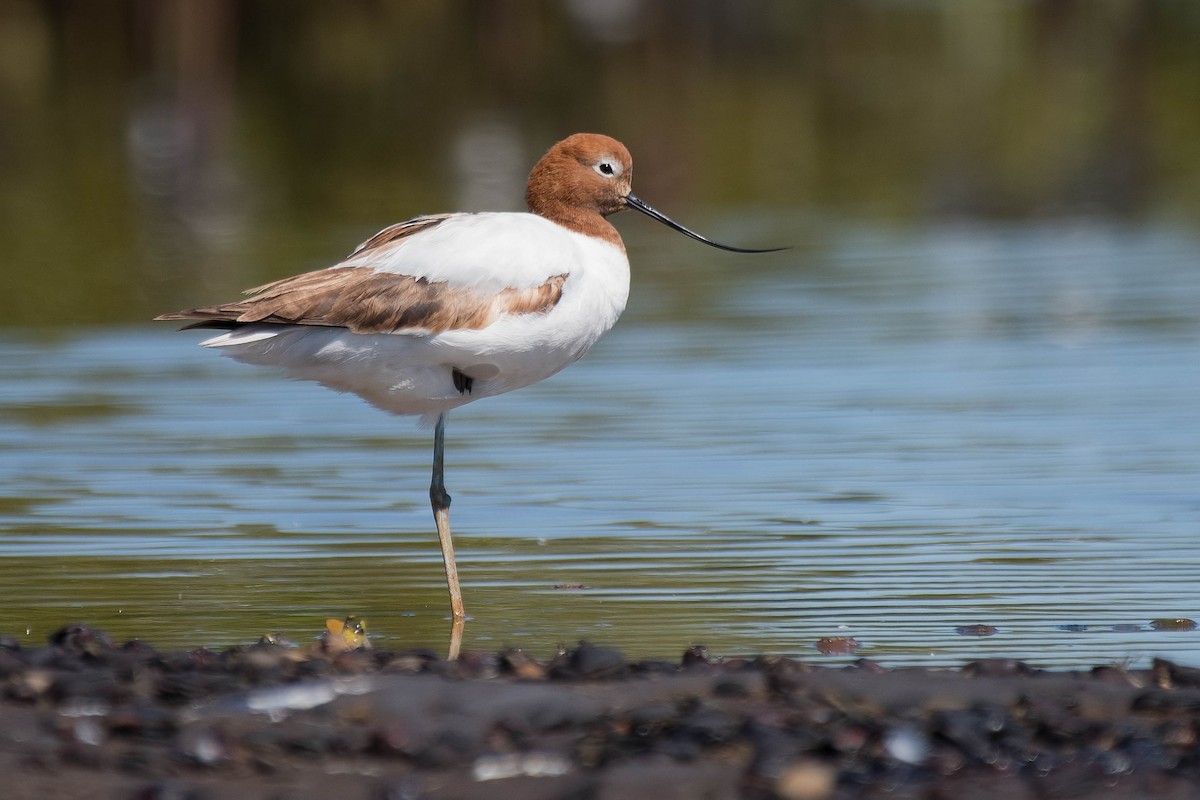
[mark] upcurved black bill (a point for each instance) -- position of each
(635, 202)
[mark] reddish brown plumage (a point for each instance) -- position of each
(562, 192)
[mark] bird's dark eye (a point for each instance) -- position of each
(606, 168)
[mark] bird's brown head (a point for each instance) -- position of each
(585, 173)
(589, 176)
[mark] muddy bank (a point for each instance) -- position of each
(82, 717)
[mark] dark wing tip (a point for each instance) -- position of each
(199, 319)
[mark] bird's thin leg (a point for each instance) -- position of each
(456, 635)
(440, 501)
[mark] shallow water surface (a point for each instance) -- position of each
(886, 435)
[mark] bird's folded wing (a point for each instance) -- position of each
(360, 296)
(365, 301)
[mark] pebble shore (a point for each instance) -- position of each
(84, 717)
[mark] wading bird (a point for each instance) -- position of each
(441, 310)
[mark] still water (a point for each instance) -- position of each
(885, 434)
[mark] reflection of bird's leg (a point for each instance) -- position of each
(441, 515)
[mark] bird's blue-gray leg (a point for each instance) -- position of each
(440, 501)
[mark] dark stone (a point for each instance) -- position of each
(1175, 674)
(591, 661)
(997, 668)
(82, 640)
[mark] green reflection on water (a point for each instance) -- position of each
(159, 154)
(61, 413)
(182, 603)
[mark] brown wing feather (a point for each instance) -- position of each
(400, 230)
(365, 301)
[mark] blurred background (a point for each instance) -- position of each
(964, 401)
(159, 152)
